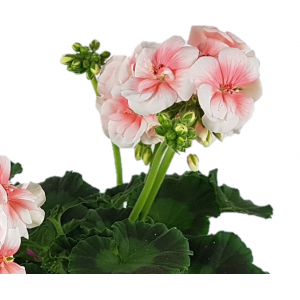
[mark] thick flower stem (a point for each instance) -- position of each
(158, 181)
(149, 183)
(118, 163)
(116, 149)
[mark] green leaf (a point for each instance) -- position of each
(229, 200)
(67, 191)
(223, 253)
(135, 248)
(184, 202)
(33, 268)
(15, 168)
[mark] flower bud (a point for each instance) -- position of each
(160, 131)
(95, 57)
(188, 144)
(89, 75)
(76, 47)
(189, 118)
(95, 68)
(76, 64)
(181, 140)
(105, 54)
(201, 132)
(171, 135)
(208, 140)
(94, 45)
(191, 133)
(84, 50)
(147, 156)
(167, 124)
(193, 162)
(86, 63)
(66, 59)
(172, 144)
(219, 136)
(138, 151)
(181, 129)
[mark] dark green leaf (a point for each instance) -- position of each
(15, 168)
(223, 253)
(33, 268)
(229, 200)
(136, 248)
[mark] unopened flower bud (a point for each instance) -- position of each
(105, 54)
(138, 151)
(147, 156)
(66, 59)
(193, 162)
(95, 69)
(86, 63)
(84, 50)
(172, 144)
(201, 132)
(191, 133)
(167, 124)
(171, 135)
(162, 117)
(95, 58)
(208, 140)
(94, 45)
(89, 74)
(76, 47)
(160, 131)
(181, 129)
(181, 140)
(219, 136)
(76, 64)
(189, 118)
(188, 144)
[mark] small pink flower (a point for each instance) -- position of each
(228, 86)
(125, 127)
(210, 40)
(10, 246)
(19, 204)
(160, 77)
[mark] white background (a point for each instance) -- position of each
(49, 122)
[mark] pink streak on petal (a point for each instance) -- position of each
(4, 169)
(184, 58)
(251, 72)
(206, 70)
(244, 106)
(147, 85)
(130, 90)
(213, 47)
(3, 226)
(12, 268)
(168, 49)
(233, 63)
(144, 64)
(3, 195)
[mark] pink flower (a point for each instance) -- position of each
(20, 205)
(3, 225)
(125, 127)
(10, 246)
(210, 40)
(160, 77)
(228, 86)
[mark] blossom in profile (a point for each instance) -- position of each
(9, 247)
(20, 204)
(210, 41)
(150, 136)
(160, 76)
(227, 88)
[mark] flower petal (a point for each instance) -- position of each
(252, 90)
(11, 244)
(12, 268)
(38, 192)
(4, 169)
(144, 64)
(184, 58)
(205, 94)
(220, 126)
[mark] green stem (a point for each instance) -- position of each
(154, 152)
(116, 149)
(158, 181)
(118, 163)
(56, 223)
(149, 183)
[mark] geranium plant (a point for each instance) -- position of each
(159, 101)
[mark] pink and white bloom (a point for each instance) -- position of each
(150, 136)
(10, 246)
(210, 41)
(3, 225)
(227, 88)
(20, 205)
(160, 77)
(125, 127)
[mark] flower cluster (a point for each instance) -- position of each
(19, 210)
(214, 75)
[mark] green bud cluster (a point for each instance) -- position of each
(177, 132)
(86, 60)
(143, 152)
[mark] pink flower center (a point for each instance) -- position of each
(228, 88)
(155, 70)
